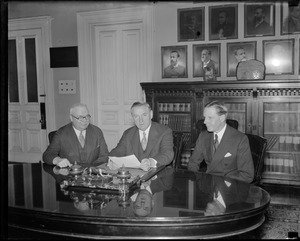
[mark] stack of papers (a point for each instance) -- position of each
(128, 161)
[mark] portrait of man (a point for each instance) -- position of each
(206, 59)
(259, 20)
(174, 62)
(238, 52)
(190, 24)
(222, 22)
(290, 18)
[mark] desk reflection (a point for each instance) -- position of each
(175, 203)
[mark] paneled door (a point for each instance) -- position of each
(115, 56)
(27, 128)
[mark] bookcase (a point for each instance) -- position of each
(266, 108)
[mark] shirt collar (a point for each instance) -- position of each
(146, 131)
(78, 132)
(221, 133)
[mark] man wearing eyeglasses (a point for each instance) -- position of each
(79, 141)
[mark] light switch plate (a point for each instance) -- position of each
(67, 87)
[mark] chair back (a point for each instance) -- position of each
(50, 135)
(258, 146)
(177, 140)
(251, 69)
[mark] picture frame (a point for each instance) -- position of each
(171, 54)
(278, 56)
(290, 18)
(234, 52)
(198, 69)
(190, 24)
(223, 22)
(255, 13)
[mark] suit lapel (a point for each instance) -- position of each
(136, 144)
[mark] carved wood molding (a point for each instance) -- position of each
(279, 92)
(227, 92)
(174, 92)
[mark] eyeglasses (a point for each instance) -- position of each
(82, 118)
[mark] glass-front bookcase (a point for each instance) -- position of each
(281, 125)
(178, 116)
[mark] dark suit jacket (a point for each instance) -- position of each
(177, 71)
(233, 157)
(199, 71)
(65, 144)
(159, 145)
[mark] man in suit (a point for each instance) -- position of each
(207, 67)
(259, 25)
(224, 28)
(150, 142)
(79, 141)
(174, 69)
(225, 150)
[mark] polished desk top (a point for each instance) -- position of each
(184, 206)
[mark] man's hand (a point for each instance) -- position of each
(145, 164)
(61, 162)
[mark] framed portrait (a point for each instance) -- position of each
(223, 22)
(190, 23)
(278, 56)
(206, 56)
(237, 52)
(290, 18)
(259, 19)
(174, 61)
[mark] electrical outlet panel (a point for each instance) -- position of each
(67, 86)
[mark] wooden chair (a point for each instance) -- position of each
(258, 146)
(177, 140)
(50, 135)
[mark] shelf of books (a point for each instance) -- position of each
(282, 123)
(178, 117)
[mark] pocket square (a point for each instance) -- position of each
(228, 154)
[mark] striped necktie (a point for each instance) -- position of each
(144, 141)
(81, 139)
(216, 144)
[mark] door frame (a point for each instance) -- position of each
(46, 95)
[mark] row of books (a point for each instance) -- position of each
(183, 107)
(288, 166)
(176, 122)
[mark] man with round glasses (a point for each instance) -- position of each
(77, 142)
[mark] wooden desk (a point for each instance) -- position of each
(37, 203)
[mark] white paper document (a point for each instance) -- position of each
(128, 161)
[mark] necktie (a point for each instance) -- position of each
(144, 141)
(81, 139)
(216, 143)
